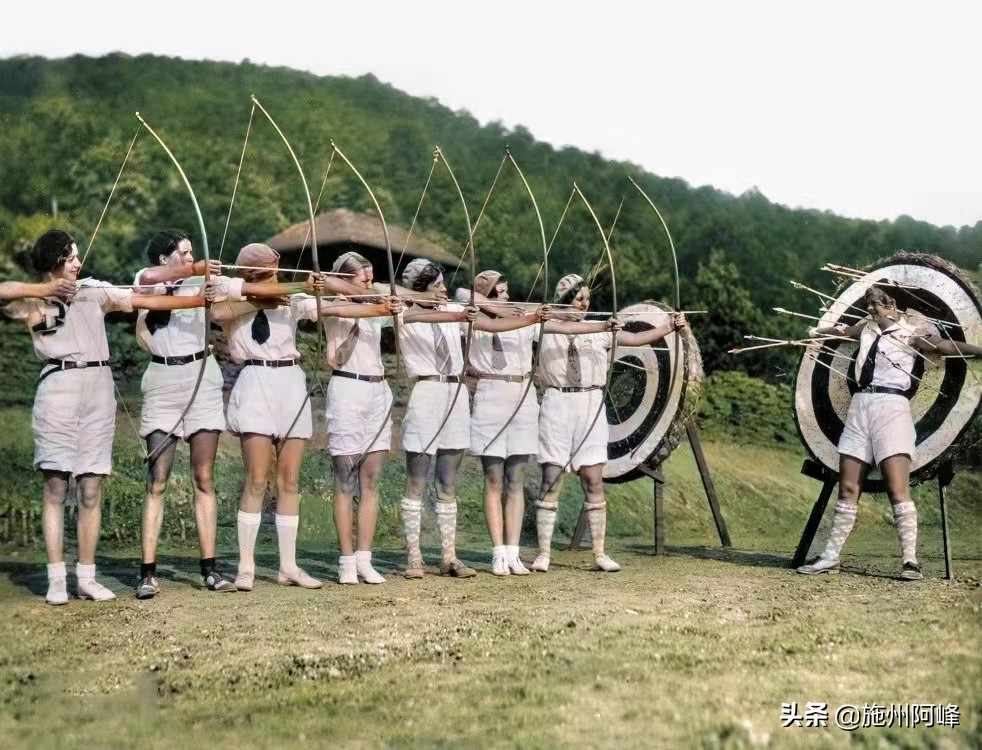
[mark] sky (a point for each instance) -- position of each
(866, 108)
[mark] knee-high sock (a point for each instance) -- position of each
(596, 514)
(842, 522)
(412, 517)
(446, 519)
(905, 519)
(286, 535)
(248, 528)
(545, 522)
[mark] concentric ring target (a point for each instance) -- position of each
(949, 397)
(646, 420)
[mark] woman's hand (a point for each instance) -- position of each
(544, 313)
(211, 267)
(62, 288)
(679, 322)
(395, 305)
(470, 313)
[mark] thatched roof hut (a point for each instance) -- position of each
(341, 230)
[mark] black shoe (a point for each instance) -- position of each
(147, 588)
(911, 571)
(215, 581)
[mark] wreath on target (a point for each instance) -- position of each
(935, 296)
(647, 421)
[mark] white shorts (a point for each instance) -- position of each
(494, 403)
(427, 408)
(355, 410)
(166, 389)
(266, 400)
(564, 419)
(74, 420)
(878, 425)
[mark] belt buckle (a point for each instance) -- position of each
(80, 365)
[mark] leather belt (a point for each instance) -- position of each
(576, 388)
(883, 389)
(356, 376)
(501, 378)
(66, 364)
(440, 378)
(182, 359)
(272, 362)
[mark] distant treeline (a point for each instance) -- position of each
(66, 125)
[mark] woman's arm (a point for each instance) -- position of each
(573, 327)
(651, 335)
(228, 310)
(851, 332)
(355, 310)
(165, 302)
(418, 314)
(11, 290)
(162, 274)
(937, 344)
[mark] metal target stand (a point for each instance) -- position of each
(582, 533)
(830, 480)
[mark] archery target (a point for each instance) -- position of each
(949, 396)
(647, 419)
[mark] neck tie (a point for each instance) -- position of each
(347, 347)
(157, 319)
(498, 360)
(443, 362)
(866, 376)
(574, 376)
(260, 327)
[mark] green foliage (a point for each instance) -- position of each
(67, 125)
(748, 410)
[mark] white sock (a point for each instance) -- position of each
(500, 551)
(248, 528)
(843, 520)
(511, 552)
(905, 519)
(85, 572)
(57, 570)
(286, 535)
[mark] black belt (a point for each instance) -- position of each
(883, 389)
(576, 388)
(272, 362)
(356, 376)
(440, 378)
(183, 359)
(66, 364)
(502, 378)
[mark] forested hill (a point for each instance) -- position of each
(66, 125)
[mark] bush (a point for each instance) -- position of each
(737, 406)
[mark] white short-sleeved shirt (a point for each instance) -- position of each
(418, 343)
(282, 341)
(185, 332)
(894, 355)
(516, 345)
(593, 350)
(72, 331)
(366, 357)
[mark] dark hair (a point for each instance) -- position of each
(427, 276)
(570, 295)
(164, 243)
(353, 262)
(51, 250)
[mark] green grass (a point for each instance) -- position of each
(695, 648)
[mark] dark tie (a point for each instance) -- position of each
(260, 327)
(866, 376)
(157, 319)
(574, 376)
(347, 346)
(443, 362)
(498, 360)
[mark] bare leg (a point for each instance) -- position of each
(345, 476)
(852, 473)
(158, 472)
(204, 448)
(257, 454)
(494, 486)
(89, 517)
(595, 502)
(368, 476)
(515, 512)
(288, 461)
(53, 494)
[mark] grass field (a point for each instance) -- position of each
(696, 648)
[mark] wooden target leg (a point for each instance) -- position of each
(582, 525)
(707, 484)
(658, 507)
(808, 535)
(945, 537)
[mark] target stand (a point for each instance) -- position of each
(830, 480)
(657, 475)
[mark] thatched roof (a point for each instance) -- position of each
(342, 227)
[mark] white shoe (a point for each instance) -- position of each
(517, 568)
(245, 579)
(347, 572)
(819, 565)
(541, 563)
(363, 566)
(90, 588)
(499, 565)
(299, 578)
(57, 591)
(606, 563)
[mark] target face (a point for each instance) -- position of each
(933, 295)
(645, 417)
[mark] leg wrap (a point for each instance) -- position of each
(597, 516)
(545, 522)
(412, 517)
(842, 522)
(446, 519)
(905, 519)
